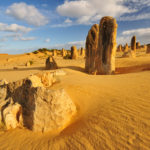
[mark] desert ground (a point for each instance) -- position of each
(113, 111)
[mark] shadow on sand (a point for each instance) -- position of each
(132, 69)
(119, 70)
(76, 68)
(23, 69)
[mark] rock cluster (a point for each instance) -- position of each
(32, 104)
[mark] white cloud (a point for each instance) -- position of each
(47, 40)
(24, 38)
(142, 35)
(86, 11)
(68, 21)
(14, 28)
(135, 17)
(27, 13)
(137, 32)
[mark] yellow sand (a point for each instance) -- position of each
(113, 110)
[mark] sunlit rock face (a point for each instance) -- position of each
(91, 49)
(107, 46)
(32, 104)
(74, 52)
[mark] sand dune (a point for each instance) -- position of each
(113, 110)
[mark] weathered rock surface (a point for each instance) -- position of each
(148, 48)
(12, 116)
(63, 52)
(51, 63)
(91, 49)
(107, 46)
(3, 82)
(28, 64)
(137, 45)
(54, 53)
(126, 48)
(74, 53)
(133, 43)
(82, 52)
(119, 48)
(34, 106)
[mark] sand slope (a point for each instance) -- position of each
(113, 111)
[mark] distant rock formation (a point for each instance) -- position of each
(74, 53)
(148, 48)
(133, 43)
(51, 63)
(82, 52)
(126, 48)
(63, 52)
(32, 104)
(107, 46)
(91, 49)
(54, 52)
(137, 45)
(119, 48)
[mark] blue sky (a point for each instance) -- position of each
(26, 25)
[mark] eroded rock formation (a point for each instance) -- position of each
(74, 52)
(82, 52)
(63, 52)
(32, 104)
(126, 48)
(119, 48)
(137, 45)
(133, 43)
(54, 52)
(91, 49)
(107, 46)
(51, 63)
(148, 48)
